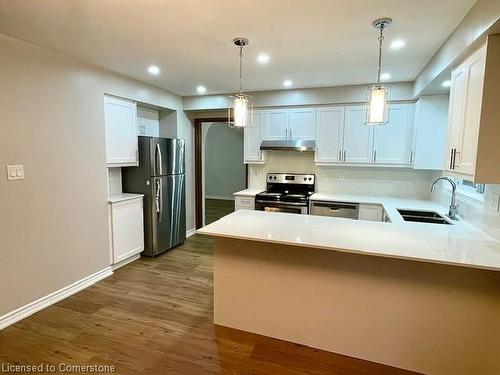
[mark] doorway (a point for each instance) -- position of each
(220, 170)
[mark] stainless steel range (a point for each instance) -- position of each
(286, 192)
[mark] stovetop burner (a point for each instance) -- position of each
(286, 187)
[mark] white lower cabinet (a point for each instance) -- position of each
(244, 202)
(371, 212)
(126, 229)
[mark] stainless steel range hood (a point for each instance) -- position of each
(288, 145)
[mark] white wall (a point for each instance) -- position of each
(400, 91)
(54, 224)
(223, 167)
(390, 182)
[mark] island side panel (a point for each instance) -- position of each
(419, 316)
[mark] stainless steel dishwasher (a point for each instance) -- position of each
(335, 209)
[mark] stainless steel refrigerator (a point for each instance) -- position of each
(160, 177)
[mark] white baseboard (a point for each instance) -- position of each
(190, 232)
(41, 303)
(221, 197)
(125, 261)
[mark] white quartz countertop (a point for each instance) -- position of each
(249, 192)
(459, 244)
(123, 197)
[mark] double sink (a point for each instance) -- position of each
(423, 217)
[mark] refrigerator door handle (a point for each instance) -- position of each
(157, 198)
(161, 200)
(159, 158)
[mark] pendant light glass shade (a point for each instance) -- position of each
(377, 103)
(377, 107)
(242, 114)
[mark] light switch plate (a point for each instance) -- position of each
(15, 172)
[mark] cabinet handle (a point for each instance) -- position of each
(290, 133)
(286, 133)
(340, 155)
(374, 156)
(411, 157)
(345, 153)
(455, 159)
(451, 159)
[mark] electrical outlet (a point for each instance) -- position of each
(342, 175)
(495, 202)
(15, 172)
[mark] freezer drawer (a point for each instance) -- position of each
(335, 209)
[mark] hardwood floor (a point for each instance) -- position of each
(217, 208)
(154, 316)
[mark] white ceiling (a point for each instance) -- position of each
(311, 42)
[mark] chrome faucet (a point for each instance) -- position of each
(452, 213)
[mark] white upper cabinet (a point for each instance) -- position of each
(455, 113)
(120, 120)
(253, 139)
(466, 98)
(302, 123)
(358, 137)
(329, 135)
(466, 156)
(276, 124)
(148, 122)
(430, 128)
(295, 123)
(392, 141)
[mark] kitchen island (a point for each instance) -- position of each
(423, 297)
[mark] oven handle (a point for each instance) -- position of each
(281, 202)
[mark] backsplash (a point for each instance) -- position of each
(389, 182)
(480, 216)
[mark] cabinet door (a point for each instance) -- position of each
(329, 135)
(276, 124)
(371, 212)
(253, 138)
(244, 203)
(127, 229)
(430, 126)
(358, 137)
(392, 141)
(302, 123)
(467, 152)
(455, 113)
(148, 122)
(120, 120)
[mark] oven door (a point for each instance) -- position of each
(278, 206)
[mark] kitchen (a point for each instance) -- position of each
(365, 242)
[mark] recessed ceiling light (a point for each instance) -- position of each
(397, 44)
(385, 76)
(153, 69)
(263, 58)
(287, 83)
(201, 89)
(446, 83)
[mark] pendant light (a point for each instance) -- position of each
(377, 106)
(242, 104)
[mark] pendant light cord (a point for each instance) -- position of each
(380, 39)
(241, 73)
